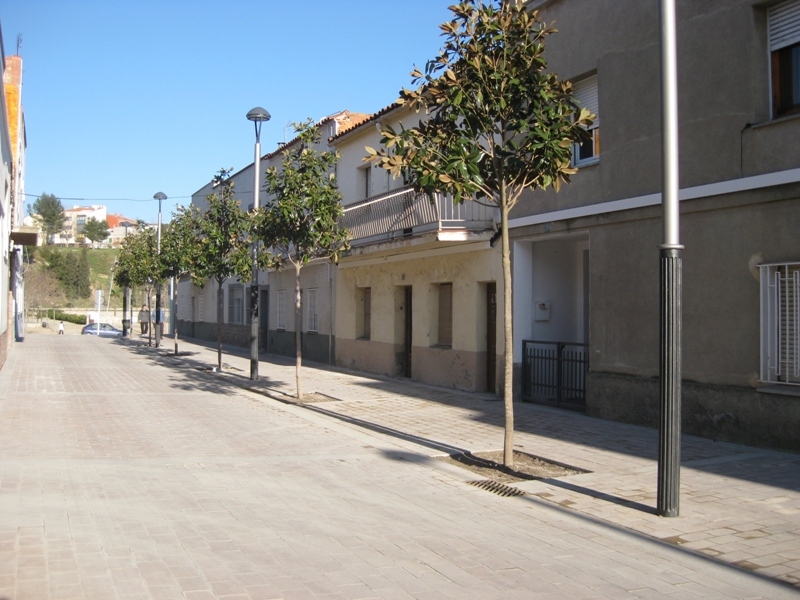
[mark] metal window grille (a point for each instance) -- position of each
(780, 323)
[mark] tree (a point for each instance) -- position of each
(222, 245)
(42, 289)
(301, 221)
(71, 269)
(179, 247)
(49, 214)
(499, 124)
(83, 284)
(137, 262)
(95, 231)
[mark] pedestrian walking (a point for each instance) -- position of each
(61, 328)
(144, 319)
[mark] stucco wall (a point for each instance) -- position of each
(721, 318)
(724, 91)
(349, 170)
(460, 366)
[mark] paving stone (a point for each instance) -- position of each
(127, 472)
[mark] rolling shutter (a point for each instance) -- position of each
(585, 93)
(784, 24)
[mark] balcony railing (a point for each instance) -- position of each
(403, 212)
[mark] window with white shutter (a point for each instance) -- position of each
(585, 94)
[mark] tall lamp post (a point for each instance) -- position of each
(671, 275)
(258, 116)
(158, 196)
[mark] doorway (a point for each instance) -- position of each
(404, 330)
(491, 336)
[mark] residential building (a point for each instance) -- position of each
(13, 235)
(75, 219)
(586, 260)
(197, 307)
(417, 294)
(119, 226)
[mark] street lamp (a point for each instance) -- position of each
(671, 280)
(258, 116)
(158, 196)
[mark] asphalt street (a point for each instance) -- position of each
(125, 473)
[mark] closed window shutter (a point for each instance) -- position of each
(585, 94)
(784, 25)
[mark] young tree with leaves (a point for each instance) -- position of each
(223, 245)
(300, 222)
(499, 124)
(179, 248)
(137, 262)
(95, 231)
(48, 212)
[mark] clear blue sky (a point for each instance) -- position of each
(125, 98)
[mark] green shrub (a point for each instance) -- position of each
(70, 318)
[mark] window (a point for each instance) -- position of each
(780, 323)
(312, 316)
(445, 330)
(784, 47)
(585, 93)
(366, 180)
(282, 309)
(364, 317)
(236, 304)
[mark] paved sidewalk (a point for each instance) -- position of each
(128, 473)
(739, 505)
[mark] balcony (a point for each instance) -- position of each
(404, 213)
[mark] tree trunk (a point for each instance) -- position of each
(508, 352)
(220, 298)
(149, 320)
(298, 324)
(174, 317)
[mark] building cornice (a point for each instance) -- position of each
(693, 193)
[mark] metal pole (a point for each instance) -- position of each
(158, 196)
(254, 286)
(669, 447)
(258, 116)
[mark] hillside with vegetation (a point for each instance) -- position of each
(57, 277)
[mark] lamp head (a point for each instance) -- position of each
(258, 114)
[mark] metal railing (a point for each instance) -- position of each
(555, 373)
(403, 212)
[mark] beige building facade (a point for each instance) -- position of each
(417, 295)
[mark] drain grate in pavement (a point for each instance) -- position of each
(500, 489)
